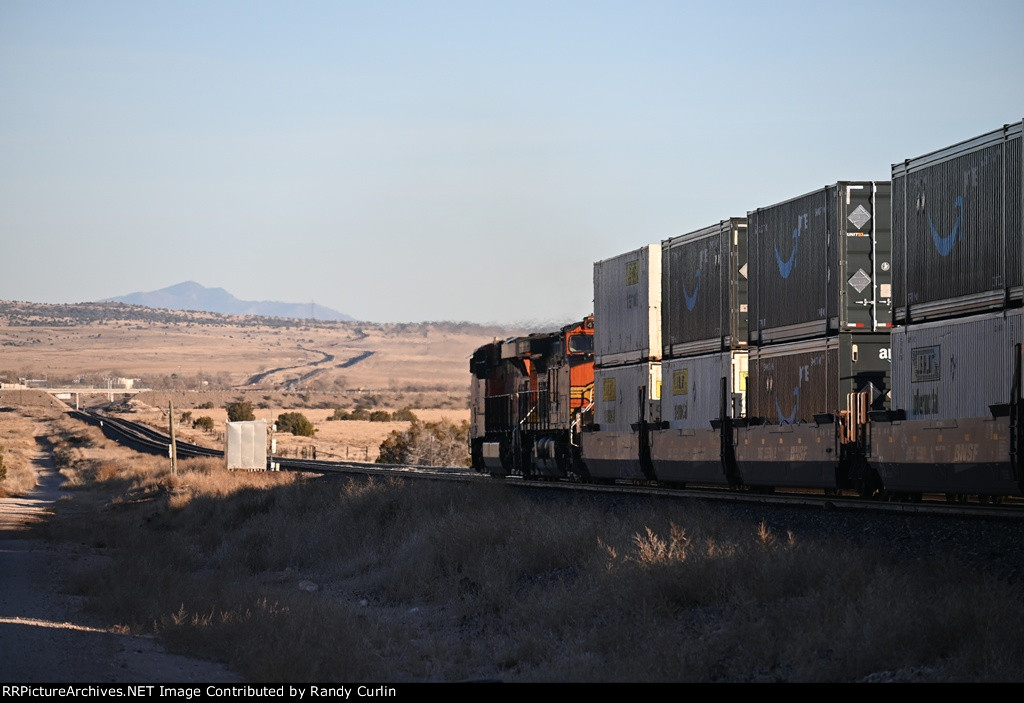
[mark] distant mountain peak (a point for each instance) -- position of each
(190, 295)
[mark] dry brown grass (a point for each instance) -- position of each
(19, 428)
(303, 579)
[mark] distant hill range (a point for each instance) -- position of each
(193, 296)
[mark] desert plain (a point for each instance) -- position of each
(194, 363)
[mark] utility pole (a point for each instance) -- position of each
(173, 448)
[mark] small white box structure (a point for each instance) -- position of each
(247, 445)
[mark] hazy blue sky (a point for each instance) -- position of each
(406, 161)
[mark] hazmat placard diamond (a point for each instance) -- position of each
(859, 280)
(859, 216)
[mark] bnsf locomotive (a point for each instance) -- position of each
(529, 398)
(866, 336)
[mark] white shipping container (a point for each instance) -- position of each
(692, 389)
(623, 396)
(955, 368)
(627, 307)
(247, 445)
(618, 391)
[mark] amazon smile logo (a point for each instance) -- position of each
(944, 244)
(791, 419)
(786, 265)
(691, 300)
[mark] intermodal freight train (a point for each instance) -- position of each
(865, 336)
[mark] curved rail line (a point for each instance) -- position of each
(326, 358)
(140, 437)
(146, 439)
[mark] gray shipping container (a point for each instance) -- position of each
(704, 290)
(627, 307)
(790, 383)
(955, 369)
(691, 393)
(957, 228)
(820, 263)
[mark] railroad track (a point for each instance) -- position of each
(141, 437)
(146, 439)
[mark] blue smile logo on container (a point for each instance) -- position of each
(791, 419)
(691, 300)
(786, 266)
(945, 244)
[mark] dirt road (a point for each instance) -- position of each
(44, 636)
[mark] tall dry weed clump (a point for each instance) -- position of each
(16, 474)
(20, 446)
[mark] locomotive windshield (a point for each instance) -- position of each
(581, 343)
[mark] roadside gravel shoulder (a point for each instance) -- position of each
(45, 636)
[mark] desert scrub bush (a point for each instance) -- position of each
(240, 411)
(406, 414)
(295, 423)
(442, 443)
(343, 414)
(204, 423)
